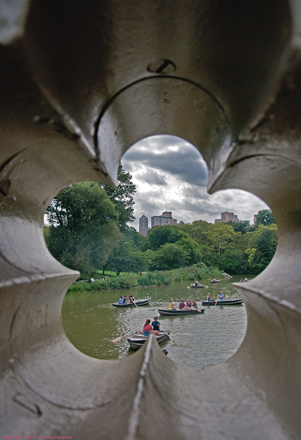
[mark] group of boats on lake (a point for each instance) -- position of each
(197, 285)
(137, 339)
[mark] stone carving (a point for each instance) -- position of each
(81, 82)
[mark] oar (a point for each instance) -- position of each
(134, 302)
(170, 338)
(118, 339)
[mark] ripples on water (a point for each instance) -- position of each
(91, 323)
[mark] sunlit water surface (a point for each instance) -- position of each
(91, 323)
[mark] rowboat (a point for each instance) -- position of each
(178, 312)
(215, 281)
(224, 302)
(136, 340)
(138, 302)
(199, 286)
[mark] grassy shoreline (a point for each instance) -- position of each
(150, 279)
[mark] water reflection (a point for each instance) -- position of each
(91, 323)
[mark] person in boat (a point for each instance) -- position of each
(182, 304)
(120, 301)
(241, 280)
(246, 279)
(197, 284)
(220, 297)
(188, 305)
(124, 300)
(208, 297)
(194, 305)
(170, 305)
(156, 324)
(131, 298)
(148, 329)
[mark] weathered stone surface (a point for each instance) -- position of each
(80, 82)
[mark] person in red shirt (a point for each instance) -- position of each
(148, 329)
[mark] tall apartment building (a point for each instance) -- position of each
(143, 225)
(230, 217)
(164, 219)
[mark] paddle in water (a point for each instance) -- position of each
(170, 337)
(118, 339)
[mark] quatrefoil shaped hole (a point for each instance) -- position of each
(184, 236)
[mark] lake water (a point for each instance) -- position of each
(91, 323)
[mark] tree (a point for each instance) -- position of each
(170, 256)
(220, 235)
(265, 217)
(162, 235)
(82, 231)
(262, 245)
(139, 239)
(198, 230)
(122, 197)
(234, 259)
(127, 257)
(238, 226)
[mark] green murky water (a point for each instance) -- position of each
(91, 323)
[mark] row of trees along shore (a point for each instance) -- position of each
(87, 230)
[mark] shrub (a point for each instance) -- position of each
(128, 281)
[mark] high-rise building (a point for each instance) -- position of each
(230, 217)
(164, 219)
(143, 225)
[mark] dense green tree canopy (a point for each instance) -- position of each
(262, 245)
(219, 236)
(170, 256)
(88, 231)
(198, 230)
(239, 227)
(82, 231)
(161, 235)
(265, 217)
(127, 256)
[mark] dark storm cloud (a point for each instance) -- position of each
(149, 202)
(171, 175)
(186, 163)
(201, 208)
(153, 178)
(195, 206)
(194, 192)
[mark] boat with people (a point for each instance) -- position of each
(134, 303)
(224, 302)
(136, 340)
(179, 312)
(215, 281)
(199, 286)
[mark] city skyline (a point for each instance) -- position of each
(166, 219)
(171, 175)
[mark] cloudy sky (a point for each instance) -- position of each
(171, 175)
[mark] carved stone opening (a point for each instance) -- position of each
(75, 94)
